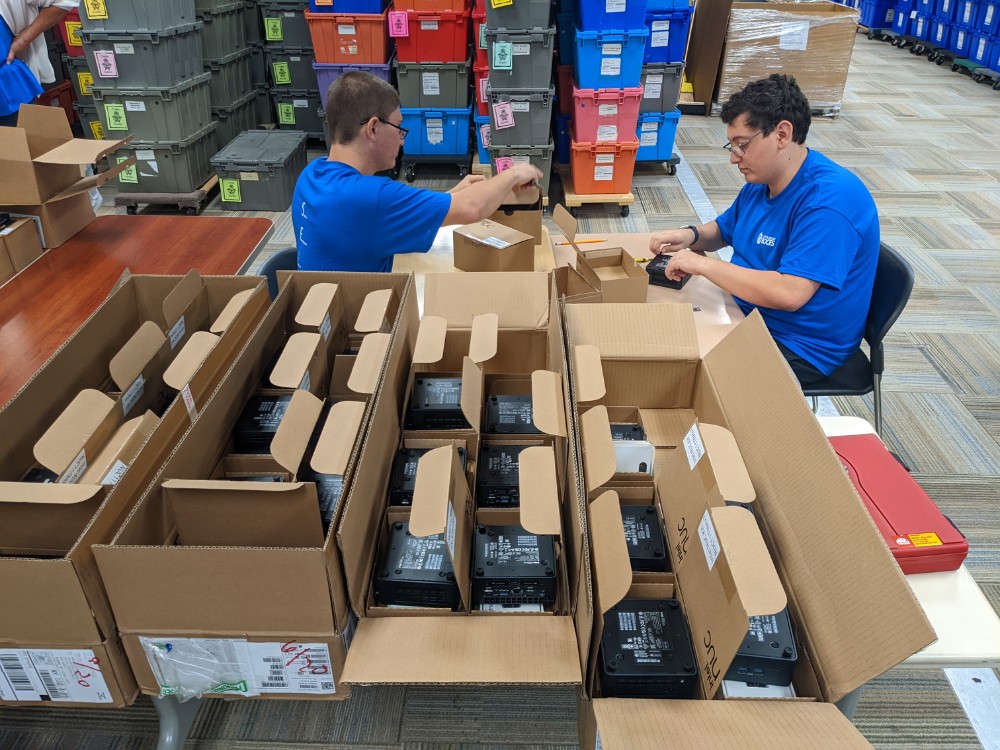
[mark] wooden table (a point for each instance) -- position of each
(44, 304)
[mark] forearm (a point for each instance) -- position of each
(483, 198)
(760, 288)
(47, 18)
(709, 239)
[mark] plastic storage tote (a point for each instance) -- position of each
(168, 166)
(284, 23)
(988, 17)
(661, 86)
(92, 126)
(291, 68)
(437, 132)
(438, 36)
(298, 110)
(538, 156)
(258, 170)
(349, 40)
(667, 5)
(960, 41)
(327, 73)
(258, 64)
(69, 29)
(901, 23)
(430, 6)
(981, 49)
(433, 85)
(479, 45)
(656, 133)
(563, 138)
(877, 14)
(482, 76)
(940, 32)
(520, 117)
(232, 78)
(482, 126)
(520, 59)
(921, 28)
(150, 58)
(668, 33)
(566, 23)
(602, 168)
(346, 6)
(59, 95)
(601, 15)
(225, 29)
(136, 15)
(966, 12)
(79, 75)
(564, 88)
(924, 7)
(233, 120)
(263, 106)
(606, 115)
(522, 14)
(609, 60)
(945, 9)
(171, 114)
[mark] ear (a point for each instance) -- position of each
(785, 133)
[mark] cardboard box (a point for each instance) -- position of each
(56, 601)
(840, 583)
(19, 246)
(525, 219)
(232, 551)
(40, 168)
(810, 41)
(489, 246)
(611, 271)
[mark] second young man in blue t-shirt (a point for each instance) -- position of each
(347, 219)
(804, 233)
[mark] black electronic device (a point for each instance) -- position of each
(646, 651)
(512, 567)
(416, 571)
(647, 545)
(436, 404)
(627, 431)
(40, 475)
(258, 422)
(404, 474)
(329, 488)
(768, 653)
(657, 268)
(497, 476)
(509, 415)
(259, 478)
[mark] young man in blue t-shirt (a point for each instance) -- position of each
(347, 219)
(804, 233)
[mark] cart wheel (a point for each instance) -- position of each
(955, 67)
(462, 170)
(932, 57)
(872, 34)
(996, 85)
(978, 77)
(574, 211)
(131, 210)
(887, 38)
(411, 172)
(623, 210)
(671, 169)
(190, 211)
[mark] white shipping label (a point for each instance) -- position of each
(428, 25)
(450, 532)
(659, 39)
(604, 159)
(67, 675)
(981, 49)
(132, 394)
(177, 330)
(326, 327)
(347, 29)
(116, 472)
(188, 398)
(495, 242)
(709, 540)
(607, 110)
(306, 383)
(611, 66)
(607, 133)
(75, 470)
(145, 154)
(648, 139)
(614, 6)
(295, 58)
(124, 49)
(794, 36)
(966, 17)
(611, 49)
(604, 174)
(292, 667)
(520, 106)
(521, 49)
(435, 131)
(989, 14)
(693, 446)
(521, 159)
(913, 14)
(135, 106)
(431, 83)
(249, 177)
(652, 89)
(300, 103)
(647, 126)
(660, 26)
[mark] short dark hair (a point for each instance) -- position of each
(767, 102)
(355, 98)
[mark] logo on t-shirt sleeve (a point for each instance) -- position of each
(763, 239)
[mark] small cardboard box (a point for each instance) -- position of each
(526, 219)
(20, 245)
(612, 271)
(489, 246)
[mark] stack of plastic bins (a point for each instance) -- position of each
(879, 14)
(254, 27)
(288, 58)
(566, 11)
(902, 23)
(964, 16)
(519, 91)
(229, 58)
(69, 30)
(662, 73)
(83, 83)
(985, 34)
(258, 170)
(149, 81)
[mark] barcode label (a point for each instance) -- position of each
(15, 683)
(292, 668)
(69, 675)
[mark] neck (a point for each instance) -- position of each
(352, 156)
(793, 158)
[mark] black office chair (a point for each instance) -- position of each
(283, 260)
(861, 375)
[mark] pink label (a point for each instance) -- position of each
(399, 24)
(504, 163)
(484, 134)
(503, 115)
(107, 67)
(483, 83)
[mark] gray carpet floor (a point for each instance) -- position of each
(924, 139)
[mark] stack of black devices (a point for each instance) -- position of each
(436, 404)
(512, 567)
(647, 546)
(415, 571)
(258, 422)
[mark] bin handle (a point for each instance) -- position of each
(428, 114)
(344, 19)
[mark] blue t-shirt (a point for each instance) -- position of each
(823, 227)
(345, 221)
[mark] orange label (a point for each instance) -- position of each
(930, 539)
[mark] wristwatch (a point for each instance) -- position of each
(696, 234)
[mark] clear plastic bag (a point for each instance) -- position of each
(191, 667)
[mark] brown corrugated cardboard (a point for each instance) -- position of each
(20, 245)
(525, 219)
(611, 271)
(489, 246)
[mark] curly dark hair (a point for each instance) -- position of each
(768, 101)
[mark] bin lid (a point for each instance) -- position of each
(261, 147)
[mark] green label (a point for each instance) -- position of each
(272, 30)
(115, 115)
(503, 55)
(231, 191)
(129, 175)
(281, 73)
(482, 36)
(286, 114)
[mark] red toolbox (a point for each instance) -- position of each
(439, 36)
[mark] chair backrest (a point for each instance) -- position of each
(890, 293)
(283, 260)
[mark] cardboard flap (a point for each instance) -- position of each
(483, 340)
(599, 463)
(292, 436)
(231, 310)
(191, 356)
(464, 650)
(88, 183)
(432, 492)
(539, 491)
(69, 433)
(138, 352)
(114, 458)
(666, 428)
(44, 122)
(521, 299)
(727, 462)
(589, 373)
(430, 340)
(186, 292)
(336, 441)
(14, 146)
(612, 567)
(634, 724)
(374, 312)
(493, 234)
(548, 411)
(296, 356)
(80, 151)
(662, 332)
(749, 560)
(472, 392)
(566, 223)
(46, 494)
(368, 363)
(316, 305)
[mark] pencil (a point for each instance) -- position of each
(581, 242)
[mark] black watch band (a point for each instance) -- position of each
(696, 233)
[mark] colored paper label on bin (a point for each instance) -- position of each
(504, 163)
(483, 83)
(107, 66)
(399, 24)
(115, 115)
(503, 55)
(282, 75)
(928, 539)
(97, 129)
(86, 81)
(129, 175)
(273, 31)
(484, 135)
(286, 114)
(96, 9)
(503, 114)
(482, 36)
(73, 33)
(230, 191)
(501, 3)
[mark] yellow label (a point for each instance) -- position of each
(501, 3)
(86, 81)
(930, 539)
(97, 129)
(73, 33)
(96, 9)
(230, 190)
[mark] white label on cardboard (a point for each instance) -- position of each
(611, 49)
(604, 158)
(653, 89)
(794, 36)
(660, 26)
(306, 383)
(188, 399)
(607, 110)
(132, 394)
(75, 470)
(135, 107)
(607, 133)
(647, 126)
(614, 6)
(292, 667)
(431, 83)
(648, 139)
(659, 39)
(451, 531)
(249, 177)
(520, 106)
(611, 66)
(145, 154)
(521, 49)
(604, 174)
(597, 741)
(116, 473)
(124, 48)
(66, 675)
(347, 29)
(709, 540)
(693, 446)
(495, 242)
(300, 103)
(428, 25)
(5, 232)
(177, 331)
(435, 131)
(326, 327)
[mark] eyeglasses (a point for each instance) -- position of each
(402, 131)
(740, 147)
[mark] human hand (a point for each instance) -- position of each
(526, 177)
(684, 262)
(469, 179)
(17, 47)
(670, 240)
